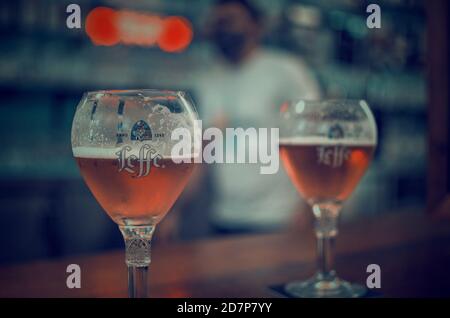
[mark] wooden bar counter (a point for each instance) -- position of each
(412, 250)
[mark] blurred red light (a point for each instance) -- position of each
(176, 34)
(106, 26)
(138, 28)
(101, 26)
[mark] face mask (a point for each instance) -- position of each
(230, 44)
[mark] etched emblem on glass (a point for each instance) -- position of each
(141, 131)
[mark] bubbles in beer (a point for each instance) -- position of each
(128, 199)
(324, 169)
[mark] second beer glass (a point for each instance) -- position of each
(326, 148)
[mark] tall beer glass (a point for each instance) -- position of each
(122, 142)
(326, 148)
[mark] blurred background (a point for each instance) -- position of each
(46, 209)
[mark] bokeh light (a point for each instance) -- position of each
(136, 28)
(102, 27)
(176, 34)
(106, 26)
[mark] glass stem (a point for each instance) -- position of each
(137, 257)
(326, 216)
(137, 281)
(325, 258)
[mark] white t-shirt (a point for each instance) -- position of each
(250, 96)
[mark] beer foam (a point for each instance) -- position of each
(111, 153)
(317, 140)
(97, 153)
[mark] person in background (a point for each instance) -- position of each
(244, 88)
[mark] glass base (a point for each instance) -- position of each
(319, 287)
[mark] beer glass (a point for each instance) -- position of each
(326, 147)
(122, 142)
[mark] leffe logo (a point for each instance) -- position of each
(334, 155)
(139, 163)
